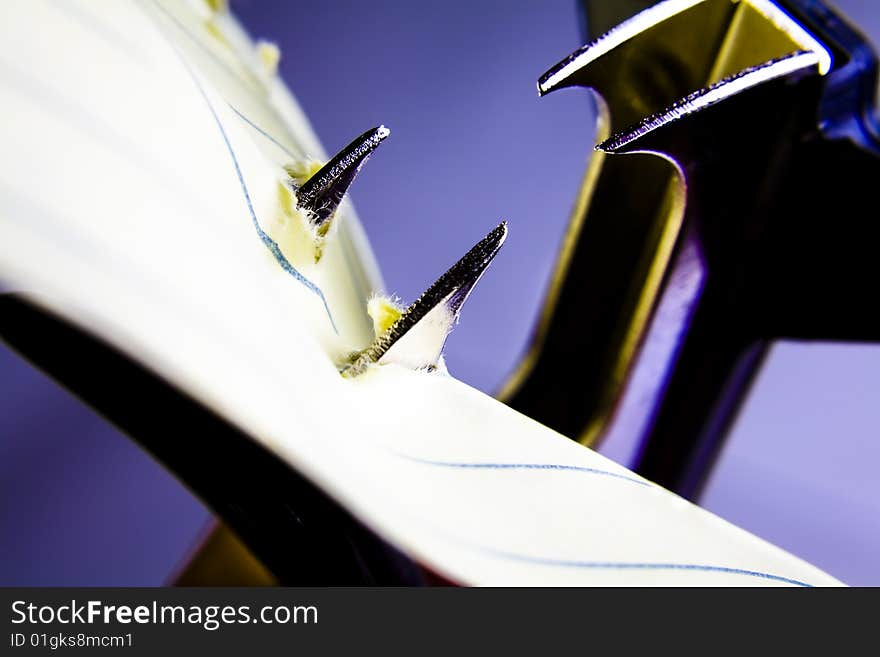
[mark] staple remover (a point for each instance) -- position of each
(731, 202)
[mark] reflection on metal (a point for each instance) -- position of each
(416, 339)
(322, 193)
(739, 175)
(222, 559)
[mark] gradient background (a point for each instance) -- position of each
(471, 143)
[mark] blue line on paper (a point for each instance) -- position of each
(270, 244)
(263, 132)
(350, 258)
(598, 565)
(604, 565)
(529, 466)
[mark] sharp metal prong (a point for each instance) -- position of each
(566, 73)
(417, 338)
(321, 194)
(636, 138)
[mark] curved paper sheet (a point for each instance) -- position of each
(134, 178)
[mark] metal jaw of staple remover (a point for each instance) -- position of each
(730, 202)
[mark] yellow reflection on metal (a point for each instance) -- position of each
(563, 259)
(668, 225)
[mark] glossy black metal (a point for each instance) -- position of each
(779, 205)
(320, 195)
(451, 290)
(807, 269)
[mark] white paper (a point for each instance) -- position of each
(125, 126)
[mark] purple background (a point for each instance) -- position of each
(471, 143)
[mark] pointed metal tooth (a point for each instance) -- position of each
(646, 135)
(448, 293)
(573, 70)
(321, 194)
